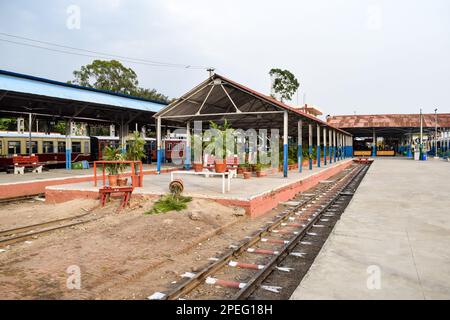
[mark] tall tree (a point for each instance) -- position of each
(113, 76)
(284, 83)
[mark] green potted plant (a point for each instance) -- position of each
(220, 165)
(136, 152)
(112, 154)
(259, 170)
(197, 165)
(121, 180)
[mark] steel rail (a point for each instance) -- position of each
(242, 246)
(261, 275)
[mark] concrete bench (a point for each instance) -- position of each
(22, 162)
(226, 176)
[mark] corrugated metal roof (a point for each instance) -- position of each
(183, 106)
(389, 120)
(16, 82)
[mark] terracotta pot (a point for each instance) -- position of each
(220, 167)
(247, 175)
(112, 179)
(198, 167)
(121, 182)
(261, 174)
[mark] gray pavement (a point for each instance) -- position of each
(393, 240)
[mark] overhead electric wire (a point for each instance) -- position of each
(98, 54)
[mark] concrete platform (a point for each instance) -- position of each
(399, 222)
(256, 195)
(12, 185)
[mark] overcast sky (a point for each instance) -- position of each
(363, 56)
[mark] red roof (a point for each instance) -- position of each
(389, 120)
(278, 103)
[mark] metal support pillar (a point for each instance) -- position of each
(374, 144)
(324, 146)
(318, 146)
(334, 145)
(158, 145)
(299, 145)
(310, 139)
(285, 144)
(187, 161)
(69, 130)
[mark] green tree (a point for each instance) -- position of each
(60, 127)
(284, 83)
(113, 76)
(8, 124)
(106, 75)
(151, 94)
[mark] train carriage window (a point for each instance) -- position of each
(47, 147)
(1, 147)
(34, 146)
(86, 147)
(169, 146)
(61, 146)
(13, 147)
(76, 146)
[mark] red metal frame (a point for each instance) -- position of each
(134, 184)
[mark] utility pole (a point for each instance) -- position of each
(211, 71)
(435, 134)
(30, 125)
(421, 136)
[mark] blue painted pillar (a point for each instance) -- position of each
(310, 139)
(339, 153)
(69, 129)
(299, 145)
(330, 143)
(285, 144)
(324, 146)
(187, 161)
(374, 145)
(318, 146)
(334, 145)
(68, 159)
(158, 145)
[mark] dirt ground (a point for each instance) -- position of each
(129, 255)
(32, 211)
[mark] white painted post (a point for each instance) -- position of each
(158, 145)
(330, 143)
(285, 144)
(187, 161)
(324, 146)
(310, 139)
(299, 145)
(318, 146)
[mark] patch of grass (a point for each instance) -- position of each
(168, 203)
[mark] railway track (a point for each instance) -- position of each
(5, 201)
(10, 236)
(243, 269)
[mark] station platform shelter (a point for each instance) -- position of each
(257, 119)
(38, 104)
(397, 134)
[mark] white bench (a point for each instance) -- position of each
(226, 176)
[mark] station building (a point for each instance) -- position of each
(396, 134)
